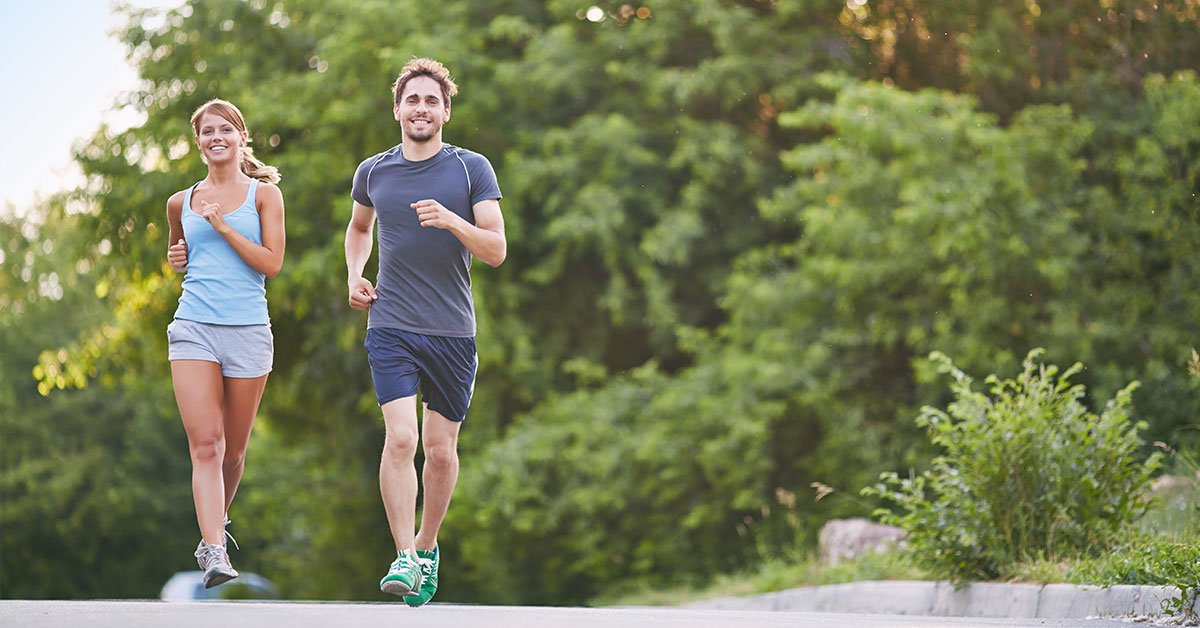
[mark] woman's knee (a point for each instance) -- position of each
(208, 448)
(234, 458)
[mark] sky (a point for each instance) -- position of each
(63, 72)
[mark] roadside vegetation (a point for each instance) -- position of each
(1143, 558)
(1028, 486)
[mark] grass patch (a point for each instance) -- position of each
(772, 575)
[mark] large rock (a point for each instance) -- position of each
(849, 538)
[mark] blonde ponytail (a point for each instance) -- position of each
(252, 167)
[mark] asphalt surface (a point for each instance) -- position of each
(139, 614)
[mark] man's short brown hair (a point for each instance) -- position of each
(425, 67)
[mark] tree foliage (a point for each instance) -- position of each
(736, 229)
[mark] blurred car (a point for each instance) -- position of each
(188, 586)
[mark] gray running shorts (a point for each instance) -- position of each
(244, 351)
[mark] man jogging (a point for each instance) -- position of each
(437, 206)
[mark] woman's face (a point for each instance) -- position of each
(219, 140)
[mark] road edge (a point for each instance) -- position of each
(979, 599)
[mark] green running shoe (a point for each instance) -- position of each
(403, 577)
(429, 568)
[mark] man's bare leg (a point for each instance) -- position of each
(397, 473)
(439, 475)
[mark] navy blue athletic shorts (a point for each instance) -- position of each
(441, 367)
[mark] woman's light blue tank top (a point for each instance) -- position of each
(220, 287)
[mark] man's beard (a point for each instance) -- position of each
(421, 136)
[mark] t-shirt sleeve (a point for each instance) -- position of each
(483, 180)
(359, 191)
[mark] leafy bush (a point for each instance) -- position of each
(1027, 471)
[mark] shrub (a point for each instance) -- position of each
(1026, 471)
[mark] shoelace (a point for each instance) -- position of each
(402, 561)
(210, 554)
(226, 529)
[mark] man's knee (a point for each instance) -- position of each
(400, 443)
(441, 454)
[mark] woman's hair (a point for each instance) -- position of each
(251, 166)
(424, 67)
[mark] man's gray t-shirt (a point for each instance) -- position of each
(424, 281)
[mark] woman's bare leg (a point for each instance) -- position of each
(199, 391)
(242, 396)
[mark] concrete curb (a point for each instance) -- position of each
(972, 600)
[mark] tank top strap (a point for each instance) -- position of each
(250, 192)
(187, 199)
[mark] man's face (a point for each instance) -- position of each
(421, 110)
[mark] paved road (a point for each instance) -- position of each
(138, 614)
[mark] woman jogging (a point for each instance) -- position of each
(227, 235)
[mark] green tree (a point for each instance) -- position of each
(919, 223)
(1013, 53)
(91, 476)
(725, 265)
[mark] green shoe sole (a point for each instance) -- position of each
(418, 600)
(395, 587)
